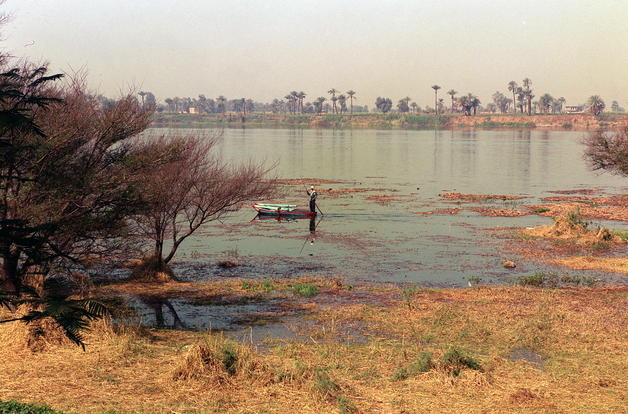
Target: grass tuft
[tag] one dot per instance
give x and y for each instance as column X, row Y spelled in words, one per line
column 622, row 234
column 422, row 363
column 554, row 280
column 305, row 289
column 324, row 385
column 455, row 360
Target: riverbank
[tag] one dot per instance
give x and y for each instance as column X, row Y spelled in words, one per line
column 355, row 348
column 554, row 122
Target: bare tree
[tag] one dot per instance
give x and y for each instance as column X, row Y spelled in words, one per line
column 66, row 191
column 608, row 151
column 190, row 190
column 64, row 188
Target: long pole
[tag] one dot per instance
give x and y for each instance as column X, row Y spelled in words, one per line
column 319, row 209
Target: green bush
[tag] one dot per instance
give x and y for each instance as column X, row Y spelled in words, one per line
column 14, row 407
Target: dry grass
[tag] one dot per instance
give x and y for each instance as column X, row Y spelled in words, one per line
column 389, row 198
column 604, row 263
column 499, row 212
column 438, row 211
column 478, row 197
column 579, row 332
column 572, row 244
column 573, row 230
column 605, row 208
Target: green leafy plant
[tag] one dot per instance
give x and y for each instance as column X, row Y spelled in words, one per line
column 14, row 407
column 72, row 315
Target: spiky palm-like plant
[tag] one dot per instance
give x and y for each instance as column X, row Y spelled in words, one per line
column 53, row 301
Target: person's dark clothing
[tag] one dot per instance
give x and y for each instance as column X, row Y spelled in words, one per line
column 313, row 196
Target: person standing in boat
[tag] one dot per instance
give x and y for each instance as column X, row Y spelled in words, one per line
column 312, row 193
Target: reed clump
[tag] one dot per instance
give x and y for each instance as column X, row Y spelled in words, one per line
column 218, row 360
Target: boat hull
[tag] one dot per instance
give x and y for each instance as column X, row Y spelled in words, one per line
column 281, row 213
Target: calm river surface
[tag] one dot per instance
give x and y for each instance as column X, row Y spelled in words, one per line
column 362, row 238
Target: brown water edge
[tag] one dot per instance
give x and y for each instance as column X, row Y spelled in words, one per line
column 550, row 350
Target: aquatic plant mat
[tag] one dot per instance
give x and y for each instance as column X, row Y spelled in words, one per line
column 483, row 349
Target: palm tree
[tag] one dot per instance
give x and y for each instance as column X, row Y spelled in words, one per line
column 342, row 100
column 545, row 102
column 289, row 98
column 520, row 97
column 407, row 100
column 414, row 107
column 295, row 101
column 301, row 95
column 221, row 103
column 170, row 104
column 333, row 102
column 465, row 104
column 319, row 104
column 512, row 86
column 452, row 93
column 351, row 93
column 528, row 93
column 596, row 104
column 475, row 102
column 332, row 92
column 436, row 88
column 559, row 104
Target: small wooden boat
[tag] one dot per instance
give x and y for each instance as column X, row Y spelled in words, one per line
column 285, row 210
column 283, row 207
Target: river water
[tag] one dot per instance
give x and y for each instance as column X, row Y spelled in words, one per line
column 361, row 237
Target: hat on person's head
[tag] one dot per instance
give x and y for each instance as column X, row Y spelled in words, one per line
column 311, row 187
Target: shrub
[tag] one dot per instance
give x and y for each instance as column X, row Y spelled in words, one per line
column 14, row 407
column 574, row 218
column 455, row 360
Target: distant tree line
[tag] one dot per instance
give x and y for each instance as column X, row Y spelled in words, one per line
column 516, row 99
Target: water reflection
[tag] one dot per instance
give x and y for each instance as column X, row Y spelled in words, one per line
column 157, row 304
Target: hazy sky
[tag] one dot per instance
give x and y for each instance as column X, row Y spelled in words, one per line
column 393, row 48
